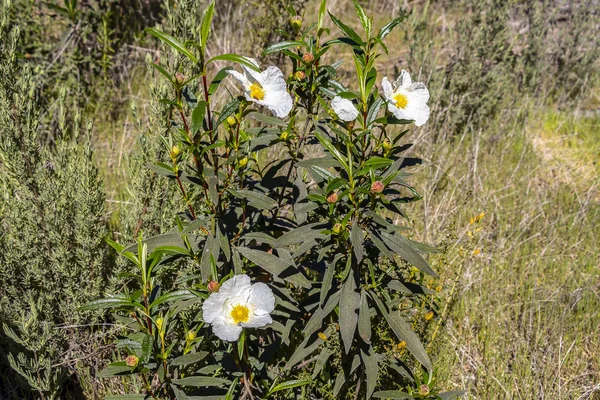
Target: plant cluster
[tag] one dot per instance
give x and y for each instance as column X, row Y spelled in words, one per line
column 299, row 261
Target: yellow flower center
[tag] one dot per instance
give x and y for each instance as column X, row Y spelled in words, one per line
column 240, row 313
column 257, row 92
column 401, row 100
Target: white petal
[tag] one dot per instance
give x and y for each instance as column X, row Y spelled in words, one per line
column 421, row 115
column 272, row 78
column 278, row 101
column 261, row 298
column 240, row 77
column 344, row 109
column 398, row 112
column 387, row 87
column 257, row 321
column 255, row 76
column 226, row 331
column 236, row 290
column 419, row 91
column 404, row 80
column 213, row 307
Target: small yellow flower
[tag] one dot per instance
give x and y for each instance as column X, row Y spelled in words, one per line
column 190, row 335
column 284, row 135
column 322, row 336
column 469, row 234
column 401, row 345
column 387, row 145
column 243, row 162
column 480, row 216
column 472, row 220
column 175, row 151
column 231, row 120
column 337, row 228
column 476, row 252
column 438, row 288
column 429, row 316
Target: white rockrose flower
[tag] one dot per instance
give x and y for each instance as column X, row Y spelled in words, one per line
column 267, row 88
column 407, row 100
column 344, row 109
column 238, row 304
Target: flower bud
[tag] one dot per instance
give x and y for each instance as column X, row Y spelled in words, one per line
column 296, row 22
column 159, row 323
column 308, row 57
column 284, row 135
column 213, row 286
column 337, row 228
column 377, row 187
column 322, row 336
column 132, row 361
column 429, row 316
column 232, row 120
column 332, row 198
column 387, row 146
column 190, row 335
column 424, row 390
column 300, row 75
column 243, row 162
column 401, row 345
column 175, row 151
column 179, row 77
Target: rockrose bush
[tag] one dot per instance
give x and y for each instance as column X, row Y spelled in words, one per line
column 305, row 277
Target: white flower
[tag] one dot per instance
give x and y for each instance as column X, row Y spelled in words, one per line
column 238, row 304
column 267, row 88
column 407, row 100
column 344, row 109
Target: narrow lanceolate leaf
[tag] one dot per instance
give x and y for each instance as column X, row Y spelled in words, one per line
column 303, row 351
column 245, row 61
column 374, row 110
column 274, row 265
column 289, row 385
column 321, row 360
column 163, row 71
column 219, row 77
column 387, row 29
column 201, row 381
column 107, row 303
column 349, row 302
column 455, row 394
column 116, row 369
column 146, row 348
column 282, row 46
column 331, row 149
column 229, row 109
column 301, row 234
column 356, row 238
column 372, row 369
column 206, row 22
column 257, row 200
column 198, row 116
column 172, row 42
column 402, row 246
column 403, row 331
column 349, row 32
column 175, row 295
column 391, row 394
column 340, row 379
column 364, row 20
column 187, row 359
column 364, row 318
column 126, row 397
column 321, row 15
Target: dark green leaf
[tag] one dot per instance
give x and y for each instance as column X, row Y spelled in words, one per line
column 163, row 71
column 402, row 246
column 172, row 42
column 107, row 303
column 274, row 265
column 256, row 199
column 176, row 295
column 301, row 234
column 201, row 381
column 364, row 318
column 190, row 358
column 288, row 385
column 146, row 348
column 282, row 46
column 346, row 29
column 349, row 302
column 321, row 360
column 198, row 116
column 356, row 238
column 392, row 394
column 387, row 29
column 214, row 85
column 206, row 22
column 455, row 394
column 229, row 109
column 245, row 61
column 370, row 362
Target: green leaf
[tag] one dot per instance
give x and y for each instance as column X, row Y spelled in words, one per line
column 201, row 381
column 187, row 359
column 321, row 360
column 146, row 348
column 301, row 234
column 282, row 46
column 219, row 77
column 198, row 116
column 245, row 61
column 349, row 302
column 387, row 29
column 402, row 246
column 321, row 15
column 364, row 20
column 256, row 199
column 373, row 111
column 364, row 318
column 163, row 72
column 118, row 368
column 370, row 362
column 403, row 331
column 163, row 169
column 127, row 397
column 229, row 109
column 267, row 119
column 349, row 32
column 206, row 22
column 176, row 295
column 356, row 238
column 107, row 303
column 332, row 150
column 302, row 351
column 392, row 394
column 172, row 42
column 274, row 265
column 288, row 385
column 323, row 162
column 340, row 379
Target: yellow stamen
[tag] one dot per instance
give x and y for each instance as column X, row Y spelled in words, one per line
column 257, row 92
column 240, row 313
column 401, row 100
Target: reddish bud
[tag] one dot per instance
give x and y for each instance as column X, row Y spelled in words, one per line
column 179, row 77
column 213, row 286
column 308, row 57
column 132, row 361
column 377, row 187
column 300, row 75
column 332, row 198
